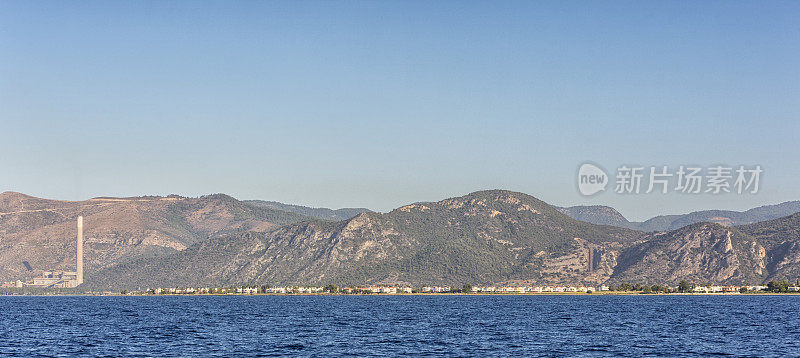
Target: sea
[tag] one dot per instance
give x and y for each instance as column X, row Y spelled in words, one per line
column 412, row 325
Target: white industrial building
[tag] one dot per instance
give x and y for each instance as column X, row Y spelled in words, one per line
column 62, row 279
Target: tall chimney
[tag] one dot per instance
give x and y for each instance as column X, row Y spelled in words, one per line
column 80, row 250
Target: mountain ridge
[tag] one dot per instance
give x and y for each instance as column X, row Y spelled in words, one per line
column 606, row 215
column 319, row 213
column 484, row 237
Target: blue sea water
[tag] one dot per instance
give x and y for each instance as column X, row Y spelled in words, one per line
column 533, row 325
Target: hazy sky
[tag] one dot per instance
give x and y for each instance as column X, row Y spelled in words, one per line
column 380, row 103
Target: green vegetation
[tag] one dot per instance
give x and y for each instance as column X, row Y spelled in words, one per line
column 778, row 286
column 318, row 213
column 684, row 286
column 483, row 238
column 642, row 288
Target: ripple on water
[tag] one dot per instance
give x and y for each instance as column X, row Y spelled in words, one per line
column 395, row 325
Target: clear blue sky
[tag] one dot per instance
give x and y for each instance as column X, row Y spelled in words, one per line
column 378, row 103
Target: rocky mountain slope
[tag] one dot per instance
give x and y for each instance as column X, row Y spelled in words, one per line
column 484, row 237
column 700, row 253
column 319, row 213
column 712, row 253
column 43, row 232
column 489, row 237
column 781, row 240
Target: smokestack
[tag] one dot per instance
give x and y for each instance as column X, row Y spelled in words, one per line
column 80, row 250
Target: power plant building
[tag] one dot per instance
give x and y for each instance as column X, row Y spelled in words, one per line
column 62, row 279
column 55, row 279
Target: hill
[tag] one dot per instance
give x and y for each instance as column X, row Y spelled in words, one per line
column 781, row 240
column 597, row 214
column 700, row 253
column 605, row 215
column 484, row 237
column 735, row 218
column 42, row 232
column 712, row 253
column 319, row 213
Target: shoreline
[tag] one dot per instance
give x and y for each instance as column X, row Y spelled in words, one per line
column 399, row 294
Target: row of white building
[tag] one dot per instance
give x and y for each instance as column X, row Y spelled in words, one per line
column 378, row 289
column 536, row 289
column 373, row 289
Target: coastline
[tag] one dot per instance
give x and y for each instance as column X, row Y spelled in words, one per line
column 400, row 294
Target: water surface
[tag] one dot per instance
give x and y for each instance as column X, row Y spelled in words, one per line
column 533, row 325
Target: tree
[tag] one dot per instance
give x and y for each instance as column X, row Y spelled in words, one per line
column 772, row 286
column 331, row 288
column 467, row 288
column 778, row 287
column 684, row 286
column 743, row 290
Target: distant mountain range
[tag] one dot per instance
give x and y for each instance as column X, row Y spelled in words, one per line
column 486, row 237
column 319, row 213
column 605, row 215
column 483, row 237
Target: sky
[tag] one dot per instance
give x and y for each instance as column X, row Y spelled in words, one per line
column 379, row 104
